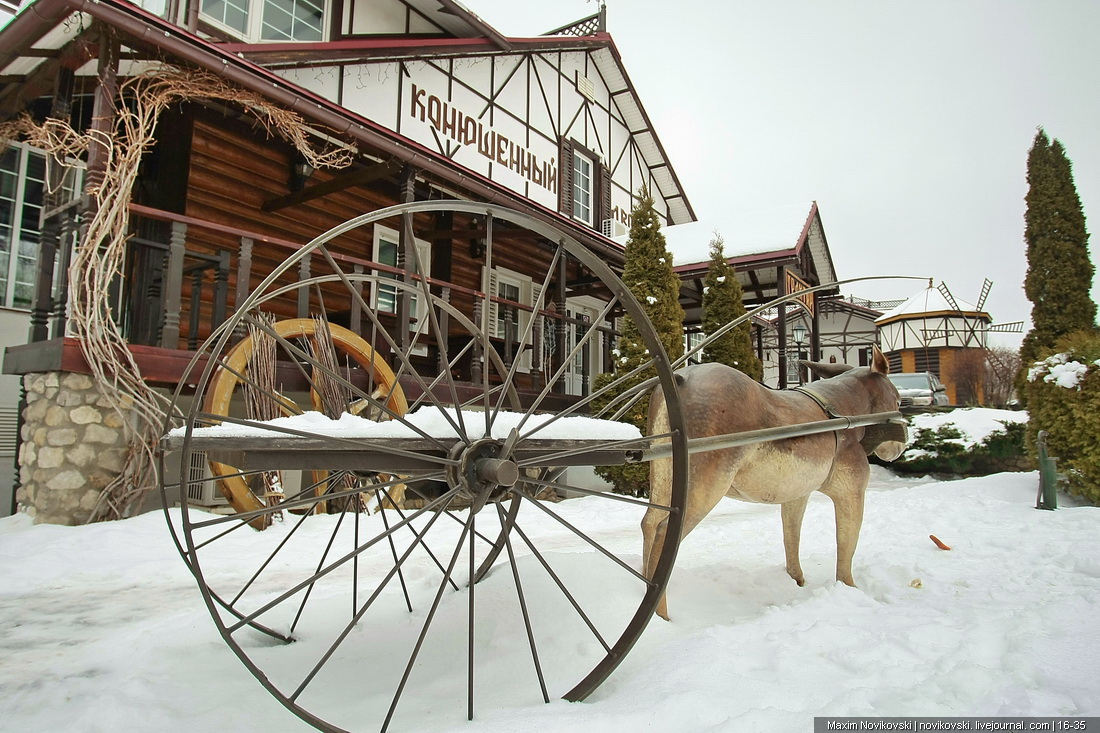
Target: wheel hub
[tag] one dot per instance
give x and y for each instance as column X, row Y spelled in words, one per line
column 482, row 475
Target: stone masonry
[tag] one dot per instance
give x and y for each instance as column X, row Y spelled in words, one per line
column 73, row 444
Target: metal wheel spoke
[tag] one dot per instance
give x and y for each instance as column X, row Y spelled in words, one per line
column 538, row 305
column 358, row 615
column 271, row 509
column 338, row 563
column 263, row 566
column 523, row 608
column 320, row 564
column 450, row 365
column 296, row 503
column 427, row 624
column 419, row 536
column 470, row 627
column 486, row 342
column 561, row 586
column 393, row 551
column 549, row 386
column 603, row 550
column 601, row 494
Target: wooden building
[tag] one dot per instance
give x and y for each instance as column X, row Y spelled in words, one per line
column 784, row 253
column 423, row 99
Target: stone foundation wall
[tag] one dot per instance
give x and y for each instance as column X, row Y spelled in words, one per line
column 73, row 445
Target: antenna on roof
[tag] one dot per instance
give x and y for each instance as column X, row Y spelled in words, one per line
column 986, row 287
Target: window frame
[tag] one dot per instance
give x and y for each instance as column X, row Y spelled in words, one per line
column 72, row 180
column 424, row 249
column 254, row 22
column 582, row 155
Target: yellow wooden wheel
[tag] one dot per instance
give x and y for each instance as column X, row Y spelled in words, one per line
column 223, row 397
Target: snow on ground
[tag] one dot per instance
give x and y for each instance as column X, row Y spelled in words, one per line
column 102, row 628
column 975, row 423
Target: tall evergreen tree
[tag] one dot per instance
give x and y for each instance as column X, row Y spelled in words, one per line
column 1059, row 272
column 723, row 302
column 648, row 273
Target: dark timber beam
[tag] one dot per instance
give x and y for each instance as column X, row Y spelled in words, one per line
column 338, row 183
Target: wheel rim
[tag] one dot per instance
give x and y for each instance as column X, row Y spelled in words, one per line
column 489, row 540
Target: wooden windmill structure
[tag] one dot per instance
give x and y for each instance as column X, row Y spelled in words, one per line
column 933, row 331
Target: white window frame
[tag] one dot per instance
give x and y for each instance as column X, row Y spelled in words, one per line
column 424, row 250
column 588, row 307
column 254, row 23
column 10, row 261
column 528, row 293
column 580, row 157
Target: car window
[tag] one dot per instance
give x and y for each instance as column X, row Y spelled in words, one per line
column 909, row 381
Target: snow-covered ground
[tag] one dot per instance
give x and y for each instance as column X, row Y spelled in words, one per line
column 974, row 423
column 102, row 628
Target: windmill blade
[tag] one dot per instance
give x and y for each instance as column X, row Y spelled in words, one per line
column 986, row 287
column 948, row 296
column 1013, row 327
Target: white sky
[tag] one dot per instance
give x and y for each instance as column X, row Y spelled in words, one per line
column 909, row 123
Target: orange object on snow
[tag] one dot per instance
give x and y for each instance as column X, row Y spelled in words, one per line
column 939, row 542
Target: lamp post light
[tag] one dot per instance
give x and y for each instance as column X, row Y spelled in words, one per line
column 798, row 333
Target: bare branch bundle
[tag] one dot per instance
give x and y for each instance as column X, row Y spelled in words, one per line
column 100, row 256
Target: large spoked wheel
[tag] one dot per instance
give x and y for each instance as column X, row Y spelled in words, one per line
column 489, row 590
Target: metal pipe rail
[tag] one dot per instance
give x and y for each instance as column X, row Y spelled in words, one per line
column 733, row 440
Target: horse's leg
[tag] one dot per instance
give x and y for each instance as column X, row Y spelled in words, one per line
column 708, row 484
column 792, row 529
column 846, row 486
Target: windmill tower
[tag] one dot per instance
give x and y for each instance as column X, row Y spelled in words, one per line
column 933, row 331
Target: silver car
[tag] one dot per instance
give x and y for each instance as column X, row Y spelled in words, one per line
column 920, row 389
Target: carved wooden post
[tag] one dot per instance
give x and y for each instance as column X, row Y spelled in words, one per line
column 196, row 304
column 221, row 289
column 173, row 286
column 536, row 350
column 52, row 229
column 355, row 317
column 561, row 332
column 65, row 256
column 586, row 365
column 444, row 328
column 244, row 283
column 303, row 293
column 475, row 361
column 509, row 339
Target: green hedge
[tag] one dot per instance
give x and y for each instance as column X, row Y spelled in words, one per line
column 1063, row 397
column 938, row 451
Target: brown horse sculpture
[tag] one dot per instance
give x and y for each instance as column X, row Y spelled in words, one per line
column 718, row 400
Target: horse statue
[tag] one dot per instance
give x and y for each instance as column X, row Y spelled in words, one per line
column 719, row 400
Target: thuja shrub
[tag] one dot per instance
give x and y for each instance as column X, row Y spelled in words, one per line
column 1063, row 395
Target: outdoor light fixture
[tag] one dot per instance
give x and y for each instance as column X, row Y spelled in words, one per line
column 300, row 171
column 799, row 334
column 477, row 244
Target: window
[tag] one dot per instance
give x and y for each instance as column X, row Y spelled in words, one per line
column 510, row 321
column 269, row 20
column 22, row 187
column 582, row 188
column 507, row 325
column 384, row 297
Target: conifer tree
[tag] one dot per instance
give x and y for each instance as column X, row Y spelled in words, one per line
column 648, row 273
column 1059, row 272
column 723, row 302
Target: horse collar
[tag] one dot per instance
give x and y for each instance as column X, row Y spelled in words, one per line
column 821, row 401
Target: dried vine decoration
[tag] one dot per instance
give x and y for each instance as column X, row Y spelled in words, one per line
column 99, row 257
column 262, row 400
column 334, row 396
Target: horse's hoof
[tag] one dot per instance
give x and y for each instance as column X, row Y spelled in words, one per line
column 799, row 579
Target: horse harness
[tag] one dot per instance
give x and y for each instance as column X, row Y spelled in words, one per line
column 873, row 435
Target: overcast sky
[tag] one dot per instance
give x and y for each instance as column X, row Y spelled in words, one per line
column 908, row 122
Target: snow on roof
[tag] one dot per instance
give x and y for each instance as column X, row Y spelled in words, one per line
column 768, row 230
column 929, row 300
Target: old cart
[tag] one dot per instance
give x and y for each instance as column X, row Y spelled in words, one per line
column 421, row 571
